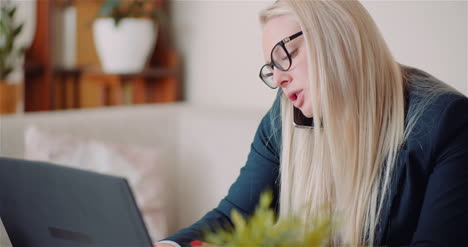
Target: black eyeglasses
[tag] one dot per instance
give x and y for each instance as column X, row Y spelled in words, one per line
column 280, row 58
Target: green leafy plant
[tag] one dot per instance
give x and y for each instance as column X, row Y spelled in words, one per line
column 9, row 53
column 262, row 230
column 120, row 9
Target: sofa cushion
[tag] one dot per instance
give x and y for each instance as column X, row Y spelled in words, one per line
column 143, row 167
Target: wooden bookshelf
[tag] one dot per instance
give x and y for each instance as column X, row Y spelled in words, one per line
column 48, row 87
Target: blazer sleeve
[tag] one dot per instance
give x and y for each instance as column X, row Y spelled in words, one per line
column 259, row 173
column 444, row 215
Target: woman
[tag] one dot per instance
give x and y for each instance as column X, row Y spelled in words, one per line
column 387, row 148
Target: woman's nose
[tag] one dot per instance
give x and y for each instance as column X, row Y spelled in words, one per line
column 281, row 78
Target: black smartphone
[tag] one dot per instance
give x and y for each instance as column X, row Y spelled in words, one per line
column 302, row 121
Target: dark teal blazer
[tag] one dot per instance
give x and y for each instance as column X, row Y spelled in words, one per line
column 428, row 200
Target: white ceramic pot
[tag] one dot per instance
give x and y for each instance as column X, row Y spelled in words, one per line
column 124, row 48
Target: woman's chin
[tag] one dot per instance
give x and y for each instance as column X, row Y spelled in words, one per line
column 307, row 113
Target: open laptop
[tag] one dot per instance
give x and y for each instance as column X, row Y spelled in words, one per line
column 42, row 204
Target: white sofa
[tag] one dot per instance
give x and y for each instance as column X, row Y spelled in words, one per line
column 205, row 147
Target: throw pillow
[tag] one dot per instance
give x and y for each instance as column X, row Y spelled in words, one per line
column 143, row 167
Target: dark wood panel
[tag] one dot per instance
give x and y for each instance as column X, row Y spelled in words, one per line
column 38, row 68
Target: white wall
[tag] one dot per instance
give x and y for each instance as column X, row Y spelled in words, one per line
column 221, row 42
column 431, row 35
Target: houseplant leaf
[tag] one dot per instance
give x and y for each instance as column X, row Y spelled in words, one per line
column 17, row 30
column 9, row 54
column 263, row 230
column 108, row 7
column 11, row 12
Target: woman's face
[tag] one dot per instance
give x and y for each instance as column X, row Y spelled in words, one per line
column 295, row 81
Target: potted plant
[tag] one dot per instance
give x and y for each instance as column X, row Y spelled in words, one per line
column 10, row 56
column 264, row 230
column 125, row 34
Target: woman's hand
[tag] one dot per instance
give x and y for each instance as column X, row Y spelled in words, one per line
column 163, row 245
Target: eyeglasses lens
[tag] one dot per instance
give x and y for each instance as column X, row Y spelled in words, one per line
column 280, row 58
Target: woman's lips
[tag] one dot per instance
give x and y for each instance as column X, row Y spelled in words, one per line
column 297, row 97
column 300, row 100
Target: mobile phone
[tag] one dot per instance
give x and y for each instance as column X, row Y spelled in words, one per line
column 302, row 121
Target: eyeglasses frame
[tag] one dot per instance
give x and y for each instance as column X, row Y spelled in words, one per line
column 272, row 64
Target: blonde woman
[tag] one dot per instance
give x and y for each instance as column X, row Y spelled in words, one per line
column 386, row 145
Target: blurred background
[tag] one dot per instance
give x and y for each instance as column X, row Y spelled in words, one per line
column 201, row 52
column 166, row 92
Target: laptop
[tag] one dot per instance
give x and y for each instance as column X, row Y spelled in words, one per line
column 43, row 204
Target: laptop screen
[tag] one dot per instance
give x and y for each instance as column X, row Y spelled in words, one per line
column 42, row 204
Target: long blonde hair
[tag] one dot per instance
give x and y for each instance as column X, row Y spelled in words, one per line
column 358, row 100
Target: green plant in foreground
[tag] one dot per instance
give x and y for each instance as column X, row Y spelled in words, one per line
column 262, row 230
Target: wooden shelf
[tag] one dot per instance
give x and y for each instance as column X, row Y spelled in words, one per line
column 149, row 73
column 51, row 88
column 152, row 85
